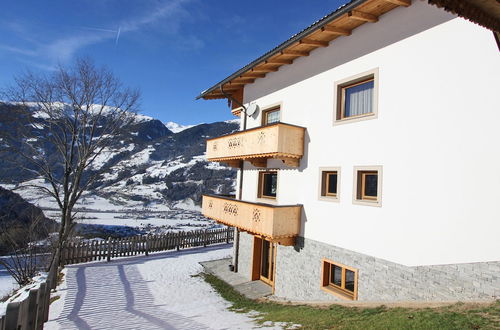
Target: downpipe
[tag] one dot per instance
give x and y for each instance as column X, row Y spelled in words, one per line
column 236, row 243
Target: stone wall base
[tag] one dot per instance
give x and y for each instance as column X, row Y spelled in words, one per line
column 298, row 275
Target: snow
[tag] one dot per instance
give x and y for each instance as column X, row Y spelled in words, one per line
column 155, row 292
column 22, row 293
column 187, row 204
column 7, row 283
column 176, row 128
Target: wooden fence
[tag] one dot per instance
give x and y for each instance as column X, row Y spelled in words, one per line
column 78, row 252
column 33, row 312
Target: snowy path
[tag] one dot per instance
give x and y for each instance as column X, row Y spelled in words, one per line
column 155, row 292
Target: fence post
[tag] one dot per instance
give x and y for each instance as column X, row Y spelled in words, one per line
column 147, row 245
column 29, row 319
column 43, row 305
column 178, row 240
column 11, row 315
column 108, row 257
column 227, row 235
column 205, row 238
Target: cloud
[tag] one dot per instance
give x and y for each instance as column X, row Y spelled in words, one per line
column 171, row 15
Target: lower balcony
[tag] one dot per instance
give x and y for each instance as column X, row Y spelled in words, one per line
column 279, row 224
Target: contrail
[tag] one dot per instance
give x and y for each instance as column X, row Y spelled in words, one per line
column 97, row 29
column 118, row 35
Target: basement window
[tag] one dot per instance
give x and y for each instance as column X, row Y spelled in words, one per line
column 340, row 280
column 268, row 184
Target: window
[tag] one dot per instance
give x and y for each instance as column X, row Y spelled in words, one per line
column 367, row 185
column 356, row 97
column 271, row 116
column 268, row 184
column 329, row 183
column 340, row 280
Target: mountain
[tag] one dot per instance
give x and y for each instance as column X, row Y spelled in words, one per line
column 16, row 216
column 176, row 128
column 145, row 163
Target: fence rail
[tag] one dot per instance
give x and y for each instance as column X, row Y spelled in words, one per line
column 78, row 252
column 33, row 312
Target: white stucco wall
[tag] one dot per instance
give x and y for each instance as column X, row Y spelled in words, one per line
column 437, row 137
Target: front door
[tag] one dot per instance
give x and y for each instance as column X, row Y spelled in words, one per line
column 264, row 260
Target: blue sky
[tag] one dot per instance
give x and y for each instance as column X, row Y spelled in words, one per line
column 169, row 49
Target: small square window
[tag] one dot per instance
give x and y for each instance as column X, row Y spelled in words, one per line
column 268, row 184
column 340, row 280
column 329, row 183
column 271, row 116
column 367, row 185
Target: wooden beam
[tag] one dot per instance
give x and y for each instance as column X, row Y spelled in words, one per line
column 405, row 3
column 246, row 79
column 258, row 162
column 294, row 52
column 361, row 16
column 253, row 74
column 312, row 42
column 279, row 61
column 265, row 70
column 336, row 30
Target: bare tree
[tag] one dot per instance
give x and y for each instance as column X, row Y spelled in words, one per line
column 81, row 107
column 27, row 247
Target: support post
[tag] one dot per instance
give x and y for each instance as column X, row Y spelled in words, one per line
column 108, row 257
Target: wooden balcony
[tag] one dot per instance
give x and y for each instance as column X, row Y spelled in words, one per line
column 279, row 224
column 257, row 145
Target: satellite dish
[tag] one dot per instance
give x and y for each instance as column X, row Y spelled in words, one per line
column 252, row 108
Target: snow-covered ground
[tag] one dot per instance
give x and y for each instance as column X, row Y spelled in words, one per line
column 155, row 292
column 7, row 283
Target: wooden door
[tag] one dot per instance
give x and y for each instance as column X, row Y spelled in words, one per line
column 264, row 260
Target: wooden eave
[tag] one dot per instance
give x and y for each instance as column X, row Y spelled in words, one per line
column 340, row 23
column 483, row 12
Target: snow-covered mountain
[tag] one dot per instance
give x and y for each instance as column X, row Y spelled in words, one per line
column 176, row 128
column 147, row 163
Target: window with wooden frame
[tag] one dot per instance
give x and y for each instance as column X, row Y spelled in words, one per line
column 340, row 280
column 357, row 97
column 268, row 184
column 329, row 183
column 367, row 185
column 271, row 116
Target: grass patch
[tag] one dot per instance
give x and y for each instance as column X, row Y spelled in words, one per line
column 54, row 298
column 458, row 316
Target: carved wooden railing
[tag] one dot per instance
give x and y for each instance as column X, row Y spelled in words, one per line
column 257, row 145
column 279, row 224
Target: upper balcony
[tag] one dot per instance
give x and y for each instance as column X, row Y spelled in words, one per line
column 257, row 145
column 279, row 224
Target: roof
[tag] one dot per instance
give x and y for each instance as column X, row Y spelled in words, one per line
column 319, row 34
column 483, row 12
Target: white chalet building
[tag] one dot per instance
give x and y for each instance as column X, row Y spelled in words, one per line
column 369, row 158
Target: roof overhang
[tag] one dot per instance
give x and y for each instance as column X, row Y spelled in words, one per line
column 337, row 24
column 483, row 12
column 334, row 25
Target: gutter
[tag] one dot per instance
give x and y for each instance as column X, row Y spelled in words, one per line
column 322, row 22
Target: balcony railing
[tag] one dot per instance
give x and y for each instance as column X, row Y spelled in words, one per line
column 279, row 224
column 257, row 145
